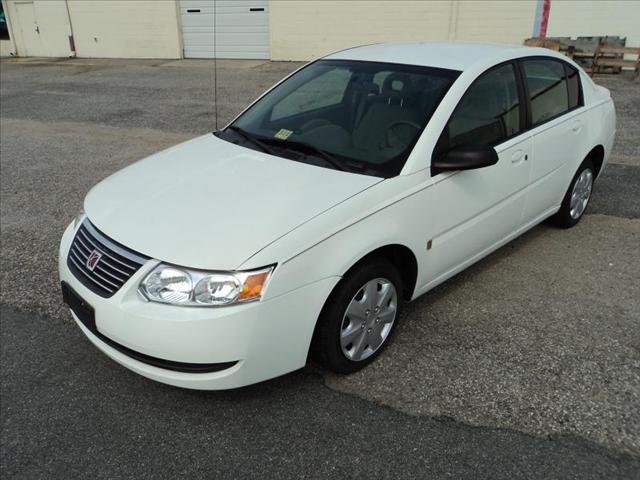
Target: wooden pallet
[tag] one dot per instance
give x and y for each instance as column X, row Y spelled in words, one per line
column 612, row 57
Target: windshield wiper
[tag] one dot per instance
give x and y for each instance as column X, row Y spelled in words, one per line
column 308, row 148
column 291, row 145
column 251, row 139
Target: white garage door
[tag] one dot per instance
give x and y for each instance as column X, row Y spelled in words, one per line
column 242, row 28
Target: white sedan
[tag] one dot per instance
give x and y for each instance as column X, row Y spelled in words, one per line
column 359, row 182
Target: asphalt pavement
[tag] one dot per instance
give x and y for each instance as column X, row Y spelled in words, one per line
column 69, row 412
column 527, row 365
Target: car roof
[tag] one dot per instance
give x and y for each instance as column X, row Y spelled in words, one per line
column 452, row 55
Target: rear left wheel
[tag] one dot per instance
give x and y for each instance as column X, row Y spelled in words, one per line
column 577, row 197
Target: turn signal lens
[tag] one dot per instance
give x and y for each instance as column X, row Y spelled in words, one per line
column 253, row 285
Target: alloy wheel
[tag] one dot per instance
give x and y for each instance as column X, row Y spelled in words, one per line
column 581, row 193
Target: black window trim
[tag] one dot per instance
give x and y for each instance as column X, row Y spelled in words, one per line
column 523, row 99
column 567, row 69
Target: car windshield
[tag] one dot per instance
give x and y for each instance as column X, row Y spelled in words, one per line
column 363, row 117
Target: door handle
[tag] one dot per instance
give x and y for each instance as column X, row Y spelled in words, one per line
column 517, row 156
column 577, row 125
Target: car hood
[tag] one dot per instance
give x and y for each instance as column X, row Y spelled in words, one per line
column 210, row 204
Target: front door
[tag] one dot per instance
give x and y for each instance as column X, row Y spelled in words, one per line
column 480, row 208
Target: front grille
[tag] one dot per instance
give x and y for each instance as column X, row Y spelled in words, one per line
column 114, row 266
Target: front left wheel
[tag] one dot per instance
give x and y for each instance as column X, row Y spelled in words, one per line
column 359, row 317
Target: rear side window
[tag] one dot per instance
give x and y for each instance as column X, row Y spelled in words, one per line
column 488, row 113
column 548, row 89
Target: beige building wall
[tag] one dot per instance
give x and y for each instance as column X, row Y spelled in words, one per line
column 304, row 29
column 586, row 18
column 494, row 21
column 126, row 28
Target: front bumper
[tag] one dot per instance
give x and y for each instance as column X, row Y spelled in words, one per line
column 265, row 339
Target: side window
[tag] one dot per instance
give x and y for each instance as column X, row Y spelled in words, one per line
column 488, row 113
column 573, row 86
column 548, row 90
column 323, row 91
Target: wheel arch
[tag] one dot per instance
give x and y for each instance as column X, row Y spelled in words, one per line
column 402, row 257
column 596, row 155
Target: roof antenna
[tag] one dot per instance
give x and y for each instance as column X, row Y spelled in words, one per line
column 215, row 65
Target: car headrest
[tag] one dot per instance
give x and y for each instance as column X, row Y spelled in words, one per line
column 396, row 85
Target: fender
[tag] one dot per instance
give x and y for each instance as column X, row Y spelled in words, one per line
column 332, row 243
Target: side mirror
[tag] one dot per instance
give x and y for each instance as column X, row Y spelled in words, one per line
column 465, row 158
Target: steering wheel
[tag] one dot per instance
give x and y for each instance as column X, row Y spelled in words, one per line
column 390, row 134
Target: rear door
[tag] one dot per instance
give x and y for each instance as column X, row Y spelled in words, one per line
column 480, row 208
column 558, row 129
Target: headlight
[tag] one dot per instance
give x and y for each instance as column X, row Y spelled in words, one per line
column 168, row 285
column 179, row 286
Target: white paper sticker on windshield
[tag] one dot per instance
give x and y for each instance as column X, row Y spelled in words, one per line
column 283, row 134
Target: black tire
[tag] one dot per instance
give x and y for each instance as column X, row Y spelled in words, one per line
column 325, row 346
column 563, row 217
